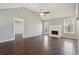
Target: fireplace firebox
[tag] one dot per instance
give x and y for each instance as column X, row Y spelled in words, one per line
column 54, row 32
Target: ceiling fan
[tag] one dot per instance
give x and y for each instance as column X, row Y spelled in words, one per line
column 43, row 13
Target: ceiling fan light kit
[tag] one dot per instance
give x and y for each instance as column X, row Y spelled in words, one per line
column 44, row 13
column 41, row 13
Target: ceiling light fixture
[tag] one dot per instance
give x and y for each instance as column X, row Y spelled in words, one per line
column 42, row 13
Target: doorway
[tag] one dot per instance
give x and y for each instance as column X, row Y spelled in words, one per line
column 18, row 28
column 45, row 27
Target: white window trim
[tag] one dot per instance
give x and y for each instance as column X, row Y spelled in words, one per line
column 73, row 26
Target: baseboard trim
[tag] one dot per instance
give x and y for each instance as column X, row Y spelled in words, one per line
column 6, row 40
column 68, row 37
column 31, row 36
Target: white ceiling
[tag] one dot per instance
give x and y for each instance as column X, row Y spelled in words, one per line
column 57, row 9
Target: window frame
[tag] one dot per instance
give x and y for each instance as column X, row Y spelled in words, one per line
column 72, row 21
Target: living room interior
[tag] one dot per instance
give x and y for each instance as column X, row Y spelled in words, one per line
column 39, row 28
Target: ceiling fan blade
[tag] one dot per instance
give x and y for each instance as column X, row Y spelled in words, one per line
column 46, row 12
column 36, row 12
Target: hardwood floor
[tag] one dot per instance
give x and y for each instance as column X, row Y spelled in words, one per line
column 39, row 45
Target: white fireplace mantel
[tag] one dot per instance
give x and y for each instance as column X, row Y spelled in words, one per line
column 55, row 28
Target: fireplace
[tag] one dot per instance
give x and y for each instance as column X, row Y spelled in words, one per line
column 54, row 32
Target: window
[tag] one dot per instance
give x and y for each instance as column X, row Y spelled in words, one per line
column 69, row 25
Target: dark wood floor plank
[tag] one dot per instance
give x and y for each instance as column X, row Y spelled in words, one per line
column 39, row 45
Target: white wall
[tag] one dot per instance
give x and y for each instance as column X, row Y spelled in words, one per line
column 33, row 30
column 32, row 23
column 6, row 27
column 78, row 37
column 78, row 27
